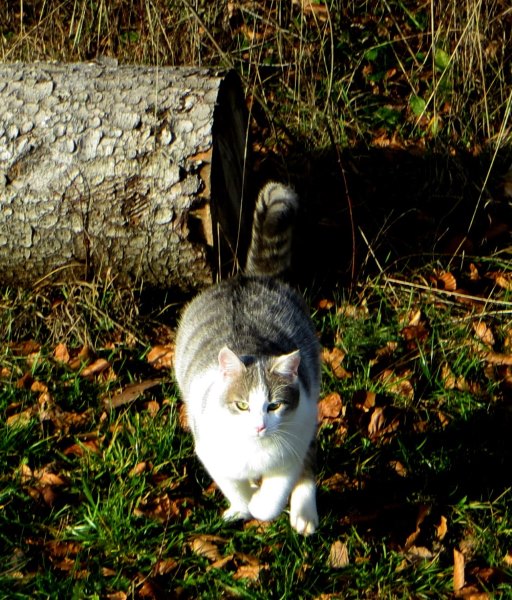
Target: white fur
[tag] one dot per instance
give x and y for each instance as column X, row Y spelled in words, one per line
column 303, row 513
column 251, row 445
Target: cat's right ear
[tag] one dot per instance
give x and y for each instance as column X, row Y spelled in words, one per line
column 229, row 363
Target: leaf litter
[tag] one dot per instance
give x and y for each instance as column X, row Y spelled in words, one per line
column 381, row 413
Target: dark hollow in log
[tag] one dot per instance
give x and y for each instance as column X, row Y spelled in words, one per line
column 133, row 171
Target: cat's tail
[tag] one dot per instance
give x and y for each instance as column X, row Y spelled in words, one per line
column 274, row 217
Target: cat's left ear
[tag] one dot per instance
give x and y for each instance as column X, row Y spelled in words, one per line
column 287, row 365
column 229, row 363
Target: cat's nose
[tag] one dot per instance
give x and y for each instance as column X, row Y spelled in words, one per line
column 260, row 429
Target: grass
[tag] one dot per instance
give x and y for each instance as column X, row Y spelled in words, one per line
column 373, row 99
column 100, row 503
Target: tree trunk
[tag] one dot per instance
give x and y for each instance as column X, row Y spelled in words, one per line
column 132, row 170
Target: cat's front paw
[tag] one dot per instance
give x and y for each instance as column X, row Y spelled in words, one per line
column 234, row 513
column 305, row 524
column 264, row 508
column 303, row 513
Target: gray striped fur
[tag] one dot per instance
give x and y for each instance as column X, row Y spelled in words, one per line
column 270, row 250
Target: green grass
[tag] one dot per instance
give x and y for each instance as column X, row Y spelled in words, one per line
column 131, row 497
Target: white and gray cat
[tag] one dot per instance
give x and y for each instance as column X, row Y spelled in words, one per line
column 247, row 365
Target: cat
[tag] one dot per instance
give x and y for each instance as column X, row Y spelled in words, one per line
column 248, row 369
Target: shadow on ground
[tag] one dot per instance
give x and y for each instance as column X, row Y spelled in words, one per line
column 372, row 209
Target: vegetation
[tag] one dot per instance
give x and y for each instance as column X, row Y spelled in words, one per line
column 392, row 117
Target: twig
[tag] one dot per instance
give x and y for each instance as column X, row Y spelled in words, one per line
column 453, row 294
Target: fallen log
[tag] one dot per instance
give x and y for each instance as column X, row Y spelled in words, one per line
column 132, row 170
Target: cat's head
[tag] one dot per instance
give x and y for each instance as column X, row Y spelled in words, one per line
column 260, row 393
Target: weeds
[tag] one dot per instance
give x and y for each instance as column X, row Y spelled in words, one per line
column 396, row 69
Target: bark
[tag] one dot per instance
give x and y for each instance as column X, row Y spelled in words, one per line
column 136, row 171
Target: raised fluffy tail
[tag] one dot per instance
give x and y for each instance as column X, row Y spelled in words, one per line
column 274, row 217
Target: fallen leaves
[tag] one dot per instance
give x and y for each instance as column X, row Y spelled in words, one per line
column 161, row 356
column 338, row 555
column 162, row 507
column 130, row 393
column 243, row 566
column 41, row 484
column 333, row 359
column 330, row 406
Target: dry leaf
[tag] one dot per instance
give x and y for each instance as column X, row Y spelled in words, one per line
column 116, row 596
column 310, row 7
column 61, row 353
column 399, row 468
column 139, row 469
column 483, row 332
column 162, row 508
column 152, row 407
column 83, row 447
column 58, row 549
column 26, row 348
column 161, row 357
column 448, row 377
column 415, row 334
column 83, row 356
column 25, row 381
column 397, row 384
column 442, row 528
column 21, row 419
column 423, row 511
column 333, row 358
column 419, row 553
column 384, row 352
column 130, row 393
column 365, row 400
column 95, row 368
column 494, row 358
column 453, row 382
column 148, row 589
column 164, row 566
column 502, row 280
column 474, row 275
column 338, row 555
column 338, row 482
column 203, row 545
column 46, row 477
column 325, row 304
column 351, row 311
column 39, row 387
column 251, row 572
column 414, row 318
column 447, row 281
column 458, row 570
column 377, row 421
column 330, row 406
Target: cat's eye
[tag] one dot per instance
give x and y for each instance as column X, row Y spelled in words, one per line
column 242, row 405
column 273, row 406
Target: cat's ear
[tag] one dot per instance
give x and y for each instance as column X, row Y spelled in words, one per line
column 229, row 363
column 287, row 365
